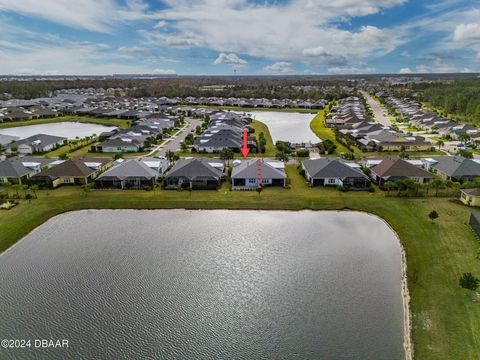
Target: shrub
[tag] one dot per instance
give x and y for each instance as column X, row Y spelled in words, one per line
column 468, row 281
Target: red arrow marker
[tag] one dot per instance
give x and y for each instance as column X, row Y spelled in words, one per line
column 245, row 150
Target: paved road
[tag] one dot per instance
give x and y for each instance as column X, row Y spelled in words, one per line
column 378, row 110
column 177, row 138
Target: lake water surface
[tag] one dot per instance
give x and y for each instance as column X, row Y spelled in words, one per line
column 287, row 126
column 176, row 284
column 69, row 130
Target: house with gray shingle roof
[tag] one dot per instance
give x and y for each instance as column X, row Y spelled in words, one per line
column 17, row 170
column 334, row 172
column 36, row 144
column 456, row 168
column 7, row 139
column 252, row 173
column 195, row 173
column 130, row 174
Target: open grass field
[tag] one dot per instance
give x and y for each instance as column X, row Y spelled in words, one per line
column 318, row 127
column 270, row 149
column 446, row 318
column 85, row 119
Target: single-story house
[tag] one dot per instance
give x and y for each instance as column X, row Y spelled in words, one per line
column 470, row 197
column 455, row 168
column 17, row 170
column 334, row 172
column 36, row 144
column 253, row 173
column 75, row 171
column 117, row 145
column 7, row 139
column 195, row 173
column 393, row 169
column 130, row 174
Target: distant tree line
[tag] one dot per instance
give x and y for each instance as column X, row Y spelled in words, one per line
column 248, row 87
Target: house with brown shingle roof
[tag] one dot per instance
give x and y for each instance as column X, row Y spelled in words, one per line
column 393, row 169
column 75, row 171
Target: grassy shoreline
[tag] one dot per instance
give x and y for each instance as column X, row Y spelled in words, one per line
column 68, row 118
column 445, row 317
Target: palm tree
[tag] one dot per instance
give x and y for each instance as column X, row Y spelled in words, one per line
column 17, row 188
column 34, row 189
column 7, row 185
column 389, row 185
column 436, row 184
column 440, row 143
column 464, row 138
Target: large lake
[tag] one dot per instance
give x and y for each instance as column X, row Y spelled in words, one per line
column 287, row 126
column 69, row 130
column 177, row 284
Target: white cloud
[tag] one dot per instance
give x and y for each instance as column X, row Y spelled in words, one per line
column 406, row 70
column 70, row 59
column 436, row 66
column 160, row 24
column 351, row 70
column 93, row 15
column 230, row 59
column 279, row 68
column 315, row 52
column 130, row 50
column 467, row 33
column 164, row 72
column 283, row 31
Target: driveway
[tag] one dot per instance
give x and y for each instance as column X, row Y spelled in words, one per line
column 378, row 110
column 176, row 138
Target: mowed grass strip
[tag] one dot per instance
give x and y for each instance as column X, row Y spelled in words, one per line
column 69, row 118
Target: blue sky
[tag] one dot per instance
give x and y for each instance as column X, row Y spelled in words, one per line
column 198, row 37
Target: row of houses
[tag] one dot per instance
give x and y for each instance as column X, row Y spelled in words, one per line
column 107, row 104
column 225, row 131
column 350, row 120
column 428, row 120
column 13, row 113
column 134, row 138
column 207, row 173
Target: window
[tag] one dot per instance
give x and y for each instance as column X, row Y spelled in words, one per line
column 66, row 180
column 252, row 181
column 331, row 181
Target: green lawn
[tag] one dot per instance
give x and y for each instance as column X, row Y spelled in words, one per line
column 318, row 127
column 270, row 149
column 446, row 318
column 84, row 119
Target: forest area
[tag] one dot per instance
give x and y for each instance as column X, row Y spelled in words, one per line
column 248, row 87
column 459, row 98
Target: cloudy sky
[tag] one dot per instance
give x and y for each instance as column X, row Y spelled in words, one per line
column 196, row 37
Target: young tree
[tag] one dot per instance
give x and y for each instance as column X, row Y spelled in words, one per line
column 440, row 144
column 34, row 189
column 433, row 215
column 227, row 155
column 468, row 281
column 283, row 156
